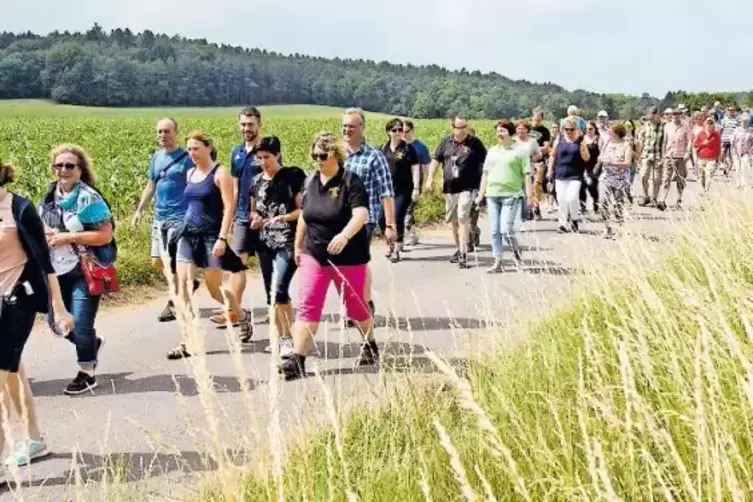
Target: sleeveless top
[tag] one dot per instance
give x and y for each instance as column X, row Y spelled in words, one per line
column 568, row 164
column 204, row 201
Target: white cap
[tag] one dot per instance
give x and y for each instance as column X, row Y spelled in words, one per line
column 602, row 113
column 681, row 107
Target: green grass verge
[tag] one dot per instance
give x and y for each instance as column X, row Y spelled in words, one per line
column 641, row 389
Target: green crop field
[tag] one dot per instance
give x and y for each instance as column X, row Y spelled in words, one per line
column 121, row 140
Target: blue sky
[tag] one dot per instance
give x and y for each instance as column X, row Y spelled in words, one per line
column 628, row 46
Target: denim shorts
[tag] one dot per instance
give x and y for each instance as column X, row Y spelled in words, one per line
column 184, row 253
column 157, row 228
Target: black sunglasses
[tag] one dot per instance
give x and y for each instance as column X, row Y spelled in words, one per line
column 396, row 130
column 319, row 157
column 65, row 165
column 569, row 129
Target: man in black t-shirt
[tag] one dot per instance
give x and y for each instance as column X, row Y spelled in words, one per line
column 543, row 137
column 462, row 158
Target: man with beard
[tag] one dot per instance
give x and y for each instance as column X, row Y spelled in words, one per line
column 244, row 167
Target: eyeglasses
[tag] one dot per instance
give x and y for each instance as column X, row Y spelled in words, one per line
column 319, row 157
column 70, row 166
column 590, row 129
column 396, row 130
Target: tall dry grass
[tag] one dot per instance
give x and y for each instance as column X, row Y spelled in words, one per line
column 640, row 389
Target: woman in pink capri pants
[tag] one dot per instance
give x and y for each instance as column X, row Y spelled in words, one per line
column 331, row 246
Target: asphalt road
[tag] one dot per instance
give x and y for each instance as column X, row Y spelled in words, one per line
column 146, row 428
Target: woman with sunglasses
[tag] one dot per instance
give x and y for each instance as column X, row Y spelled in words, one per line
column 405, row 169
column 567, row 166
column 28, row 286
column 78, row 223
column 275, row 205
column 331, row 246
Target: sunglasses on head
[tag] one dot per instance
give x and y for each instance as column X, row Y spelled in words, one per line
column 319, row 157
column 70, row 166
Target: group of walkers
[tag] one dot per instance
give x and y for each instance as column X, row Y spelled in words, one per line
column 56, row 254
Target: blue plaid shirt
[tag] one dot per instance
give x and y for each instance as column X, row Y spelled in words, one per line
column 371, row 166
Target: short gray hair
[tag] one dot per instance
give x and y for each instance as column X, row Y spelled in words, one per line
column 569, row 121
column 356, row 111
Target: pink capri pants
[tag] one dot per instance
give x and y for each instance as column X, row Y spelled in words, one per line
column 314, row 280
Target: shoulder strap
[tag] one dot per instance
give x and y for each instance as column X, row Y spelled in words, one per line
column 164, row 170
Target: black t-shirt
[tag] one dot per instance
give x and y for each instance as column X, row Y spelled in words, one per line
column 276, row 197
column 400, row 161
column 541, row 134
column 327, row 209
column 468, row 156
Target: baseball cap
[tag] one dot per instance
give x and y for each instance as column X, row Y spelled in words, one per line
column 602, row 113
column 682, row 107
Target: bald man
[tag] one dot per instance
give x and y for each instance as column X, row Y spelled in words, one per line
column 168, row 170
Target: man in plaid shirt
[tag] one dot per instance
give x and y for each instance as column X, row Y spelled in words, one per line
column 651, row 139
column 371, row 166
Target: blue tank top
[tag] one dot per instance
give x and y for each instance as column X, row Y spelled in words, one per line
column 568, row 164
column 204, row 200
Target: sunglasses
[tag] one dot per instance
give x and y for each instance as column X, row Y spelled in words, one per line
column 70, row 166
column 461, row 127
column 569, row 129
column 396, row 130
column 319, row 157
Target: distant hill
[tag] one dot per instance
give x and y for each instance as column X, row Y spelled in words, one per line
column 124, row 69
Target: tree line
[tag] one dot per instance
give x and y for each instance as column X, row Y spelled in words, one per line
column 125, row 69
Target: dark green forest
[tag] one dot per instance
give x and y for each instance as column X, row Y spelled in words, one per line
column 125, row 69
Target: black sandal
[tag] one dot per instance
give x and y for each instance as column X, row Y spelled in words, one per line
column 178, row 352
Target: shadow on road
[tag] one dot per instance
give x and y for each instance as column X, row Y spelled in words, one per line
column 126, row 467
column 119, row 383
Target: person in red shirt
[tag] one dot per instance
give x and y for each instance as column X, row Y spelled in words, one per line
column 708, row 143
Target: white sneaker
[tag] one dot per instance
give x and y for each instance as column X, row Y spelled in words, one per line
column 286, row 347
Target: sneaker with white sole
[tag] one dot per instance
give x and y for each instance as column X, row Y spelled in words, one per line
column 26, row 451
column 286, row 347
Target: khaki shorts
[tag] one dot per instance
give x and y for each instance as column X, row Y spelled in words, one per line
column 458, row 206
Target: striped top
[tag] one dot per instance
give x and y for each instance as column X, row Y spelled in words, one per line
column 728, row 126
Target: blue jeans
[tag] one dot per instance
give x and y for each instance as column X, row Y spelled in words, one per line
column 277, row 269
column 83, row 307
column 502, row 213
column 402, row 202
